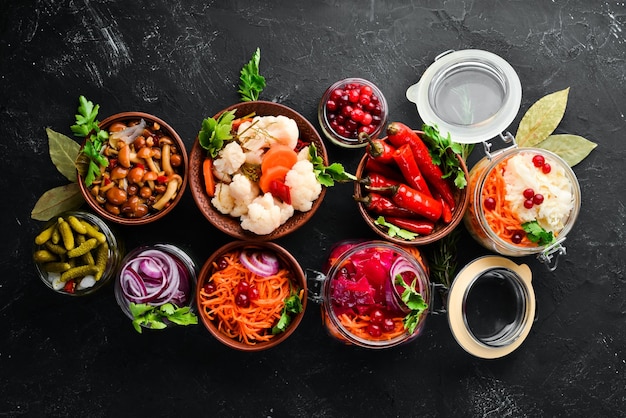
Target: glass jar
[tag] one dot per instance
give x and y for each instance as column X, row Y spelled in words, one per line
column 351, row 106
column 169, row 264
column 65, row 268
column 361, row 301
column 518, row 190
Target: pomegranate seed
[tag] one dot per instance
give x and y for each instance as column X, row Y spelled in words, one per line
column 517, row 237
column 529, row 193
column 528, row 203
column 490, row 203
column 546, row 168
column 538, row 199
column 538, row 160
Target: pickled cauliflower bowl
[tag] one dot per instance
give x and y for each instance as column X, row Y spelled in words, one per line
column 253, row 170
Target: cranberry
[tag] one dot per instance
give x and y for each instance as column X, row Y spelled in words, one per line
column 353, row 108
column 364, row 99
column 357, row 115
column 243, row 287
column 253, row 293
column 336, row 94
column 222, row 263
column 374, row 330
column 546, row 168
column 242, row 300
column 538, row 160
column 346, row 111
column 209, row 288
column 367, row 119
column 366, row 129
column 529, row 193
column 354, row 95
column 528, row 203
column 517, row 237
column 377, row 316
column 490, row 203
column 538, row 199
column 388, row 325
column 331, row 105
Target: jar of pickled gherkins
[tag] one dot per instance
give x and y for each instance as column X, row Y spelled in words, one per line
column 77, row 253
column 523, row 201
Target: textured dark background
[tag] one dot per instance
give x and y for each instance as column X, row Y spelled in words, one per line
column 180, row 60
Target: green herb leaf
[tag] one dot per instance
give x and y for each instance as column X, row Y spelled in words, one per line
column 251, row 82
column 214, row 132
column 445, row 153
column 56, row 201
column 293, row 306
column 541, row 119
column 156, row 317
column 414, row 301
column 328, row 175
column 63, row 153
column 537, row 234
column 572, row 148
column 393, row 230
column 87, row 126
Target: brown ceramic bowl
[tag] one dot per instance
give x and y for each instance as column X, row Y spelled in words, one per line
column 231, row 225
column 441, row 229
column 159, row 129
column 286, row 261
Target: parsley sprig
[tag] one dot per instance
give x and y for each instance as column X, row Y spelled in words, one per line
column 444, row 154
column 251, row 82
column 393, row 230
column 215, row 132
column 87, row 126
column 328, row 175
column 413, row 299
column 155, row 317
column 537, row 234
column 293, row 306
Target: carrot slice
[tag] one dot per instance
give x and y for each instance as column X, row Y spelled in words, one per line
column 209, row 181
column 275, row 173
column 278, row 155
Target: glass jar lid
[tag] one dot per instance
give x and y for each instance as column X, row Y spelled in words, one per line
column 491, row 306
column 471, row 94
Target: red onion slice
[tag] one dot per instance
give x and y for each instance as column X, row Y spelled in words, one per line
column 262, row 263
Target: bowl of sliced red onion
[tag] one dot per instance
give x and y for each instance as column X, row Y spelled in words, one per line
column 155, row 287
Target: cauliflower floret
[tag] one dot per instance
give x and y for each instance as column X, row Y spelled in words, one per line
column 264, row 131
column 303, row 154
column 286, row 210
column 243, row 192
column 303, row 185
column 254, row 157
column 263, row 215
column 222, row 200
column 230, row 159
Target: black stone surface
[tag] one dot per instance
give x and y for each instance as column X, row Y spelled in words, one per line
column 180, row 60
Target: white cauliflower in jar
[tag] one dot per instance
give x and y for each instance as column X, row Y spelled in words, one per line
column 230, row 159
column 264, row 131
column 303, row 185
column 263, row 215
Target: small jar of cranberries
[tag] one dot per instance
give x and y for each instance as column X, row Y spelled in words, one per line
column 349, row 107
column 523, row 201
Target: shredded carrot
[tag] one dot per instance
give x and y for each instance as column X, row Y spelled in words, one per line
column 357, row 326
column 502, row 220
column 249, row 325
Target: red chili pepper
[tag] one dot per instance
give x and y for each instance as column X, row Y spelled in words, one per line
column 281, row 191
column 70, row 286
column 162, row 179
column 446, row 211
column 380, row 205
column 377, row 181
column 380, row 150
column 416, row 201
column 399, row 134
column 387, row 170
column 419, row 226
column 408, row 166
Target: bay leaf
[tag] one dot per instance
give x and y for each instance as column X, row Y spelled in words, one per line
column 572, row 148
column 63, row 153
column 541, row 119
column 56, row 201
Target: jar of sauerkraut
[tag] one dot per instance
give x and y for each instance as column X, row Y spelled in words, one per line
column 523, row 201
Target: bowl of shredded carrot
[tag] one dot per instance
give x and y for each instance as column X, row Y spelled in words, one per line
column 397, row 210
column 251, row 295
column 253, row 170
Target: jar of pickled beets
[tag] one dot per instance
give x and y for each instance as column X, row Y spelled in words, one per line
column 375, row 294
column 349, row 107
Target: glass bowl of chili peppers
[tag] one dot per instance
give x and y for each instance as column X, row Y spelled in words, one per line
column 142, row 171
column 251, row 295
column 403, row 195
